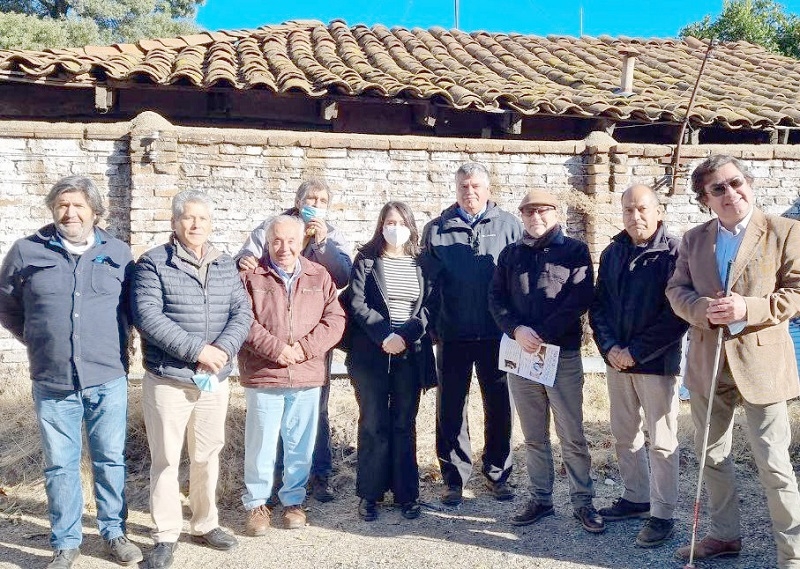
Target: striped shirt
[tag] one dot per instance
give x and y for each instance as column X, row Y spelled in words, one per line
column 402, row 288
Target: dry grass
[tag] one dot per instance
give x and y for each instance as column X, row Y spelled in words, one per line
column 21, row 462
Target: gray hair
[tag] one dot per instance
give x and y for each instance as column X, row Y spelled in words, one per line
column 80, row 184
column 711, row 165
column 283, row 218
column 315, row 185
column 471, row 169
column 190, row 196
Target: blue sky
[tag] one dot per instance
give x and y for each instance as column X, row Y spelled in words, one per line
column 636, row 18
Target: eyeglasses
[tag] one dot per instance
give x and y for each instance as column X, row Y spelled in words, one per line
column 717, row 190
column 528, row 211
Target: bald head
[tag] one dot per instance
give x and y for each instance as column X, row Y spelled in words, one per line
column 641, row 213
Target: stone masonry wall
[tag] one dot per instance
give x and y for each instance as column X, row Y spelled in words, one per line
column 253, row 174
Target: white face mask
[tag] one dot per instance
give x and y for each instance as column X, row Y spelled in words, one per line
column 396, row 235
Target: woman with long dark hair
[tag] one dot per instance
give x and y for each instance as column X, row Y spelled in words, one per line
column 390, row 359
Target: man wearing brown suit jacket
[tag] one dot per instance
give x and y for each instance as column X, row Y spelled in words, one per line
column 757, row 366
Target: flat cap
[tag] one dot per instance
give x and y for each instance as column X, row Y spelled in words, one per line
column 538, row 197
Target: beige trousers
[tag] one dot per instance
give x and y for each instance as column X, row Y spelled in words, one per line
column 657, row 396
column 172, row 411
column 769, row 434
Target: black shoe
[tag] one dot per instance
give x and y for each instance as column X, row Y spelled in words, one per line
column 321, row 489
column 623, row 509
column 216, row 539
column 500, row 490
column 590, row 519
column 161, row 556
column 655, row 532
column 452, row 496
column 64, row 558
column 532, row 513
column 368, row 510
column 410, row 510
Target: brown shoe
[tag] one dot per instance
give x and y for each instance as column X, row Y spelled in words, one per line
column 294, row 517
column 258, row 520
column 709, row 548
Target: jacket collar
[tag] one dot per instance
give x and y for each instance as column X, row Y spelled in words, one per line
column 659, row 241
column 451, row 218
column 49, row 235
column 554, row 237
column 306, row 268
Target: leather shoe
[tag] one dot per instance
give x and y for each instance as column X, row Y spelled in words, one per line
column 590, row 519
column 709, row 548
column 161, row 556
column 368, row 510
column 64, row 558
column 123, row 551
column 410, row 510
column 452, row 496
column 258, row 521
column 500, row 490
column 532, row 513
column 655, row 532
column 623, row 509
column 216, row 539
column 321, row 489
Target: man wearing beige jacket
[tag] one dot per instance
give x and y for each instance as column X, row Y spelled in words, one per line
column 757, row 366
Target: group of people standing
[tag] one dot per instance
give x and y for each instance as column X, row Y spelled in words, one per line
column 417, row 311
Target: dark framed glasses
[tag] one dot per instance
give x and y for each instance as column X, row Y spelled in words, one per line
column 529, row 210
column 717, row 190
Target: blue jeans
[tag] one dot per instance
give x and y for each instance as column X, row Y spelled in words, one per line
column 292, row 413
column 61, row 415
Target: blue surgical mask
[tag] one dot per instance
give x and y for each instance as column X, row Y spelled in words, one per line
column 206, row 381
column 309, row 212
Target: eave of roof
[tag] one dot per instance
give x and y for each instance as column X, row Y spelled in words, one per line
column 744, row 86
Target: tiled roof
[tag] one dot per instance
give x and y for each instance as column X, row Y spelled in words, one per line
column 743, row 85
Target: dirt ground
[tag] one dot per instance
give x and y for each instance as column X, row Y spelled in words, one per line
column 475, row 535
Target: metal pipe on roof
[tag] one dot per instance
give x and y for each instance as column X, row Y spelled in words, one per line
column 677, row 156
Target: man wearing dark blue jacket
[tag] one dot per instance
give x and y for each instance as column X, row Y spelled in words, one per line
column 466, row 239
column 640, row 338
column 542, row 287
column 63, row 294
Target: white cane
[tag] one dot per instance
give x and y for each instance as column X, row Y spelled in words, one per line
column 712, row 392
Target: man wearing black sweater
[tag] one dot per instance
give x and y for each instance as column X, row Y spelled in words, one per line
column 542, row 286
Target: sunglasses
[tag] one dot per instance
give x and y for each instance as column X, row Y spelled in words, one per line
column 717, row 190
column 528, row 211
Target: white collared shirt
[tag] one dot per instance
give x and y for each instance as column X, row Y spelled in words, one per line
column 728, row 243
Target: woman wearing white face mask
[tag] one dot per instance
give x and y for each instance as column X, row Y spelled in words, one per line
column 390, row 359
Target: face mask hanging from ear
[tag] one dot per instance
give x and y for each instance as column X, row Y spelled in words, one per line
column 396, row 235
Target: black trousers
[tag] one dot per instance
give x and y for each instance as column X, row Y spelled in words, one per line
column 387, row 436
column 455, row 361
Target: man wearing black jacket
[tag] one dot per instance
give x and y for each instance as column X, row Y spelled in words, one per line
column 466, row 240
column 640, row 338
column 542, row 286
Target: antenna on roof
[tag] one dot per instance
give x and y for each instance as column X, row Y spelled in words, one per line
column 580, row 20
column 456, row 12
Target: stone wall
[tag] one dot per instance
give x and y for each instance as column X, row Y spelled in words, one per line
column 252, row 174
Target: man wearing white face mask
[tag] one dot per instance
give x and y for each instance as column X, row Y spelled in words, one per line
column 325, row 245
column 390, row 358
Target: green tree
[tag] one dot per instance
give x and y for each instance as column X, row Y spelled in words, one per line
column 762, row 22
column 39, row 24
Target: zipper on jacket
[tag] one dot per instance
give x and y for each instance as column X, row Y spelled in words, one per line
column 291, row 327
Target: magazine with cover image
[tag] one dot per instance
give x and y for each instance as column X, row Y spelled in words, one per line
column 540, row 366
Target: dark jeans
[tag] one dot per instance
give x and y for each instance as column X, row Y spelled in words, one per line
column 387, row 435
column 455, row 361
column 322, row 461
